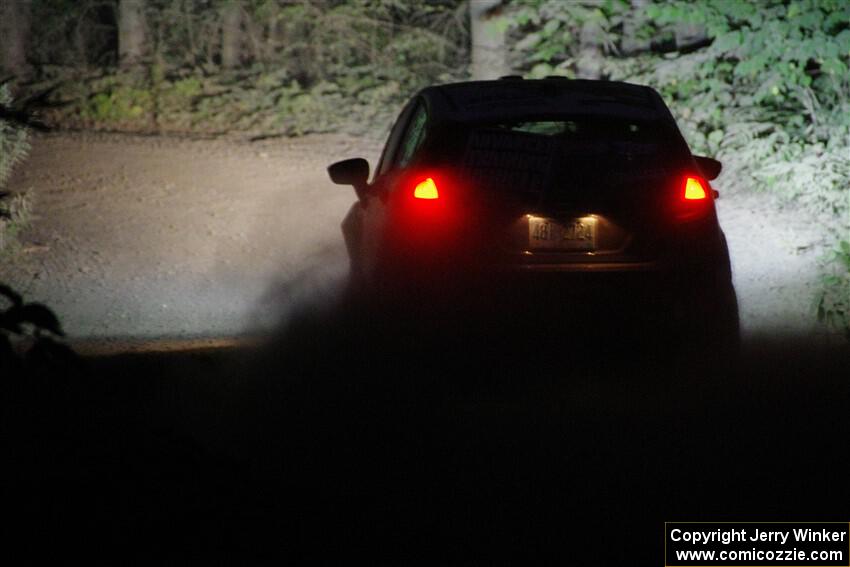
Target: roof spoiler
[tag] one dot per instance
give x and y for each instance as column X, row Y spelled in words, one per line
column 521, row 78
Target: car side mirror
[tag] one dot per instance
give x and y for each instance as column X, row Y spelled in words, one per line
column 354, row 171
column 709, row 167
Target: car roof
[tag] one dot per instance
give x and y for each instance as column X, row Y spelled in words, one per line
column 482, row 101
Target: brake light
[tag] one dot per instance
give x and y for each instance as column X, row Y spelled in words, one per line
column 694, row 189
column 426, row 190
column 694, row 199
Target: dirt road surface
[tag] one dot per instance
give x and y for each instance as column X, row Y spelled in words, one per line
column 140, row 238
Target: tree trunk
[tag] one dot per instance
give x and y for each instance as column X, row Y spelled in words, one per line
column 489, row 50
column 631, row 44
column 231, row 35
column 131, row 32
column 14, row 35
column 590, row 58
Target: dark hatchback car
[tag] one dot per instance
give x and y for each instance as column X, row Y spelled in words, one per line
column 575, row 195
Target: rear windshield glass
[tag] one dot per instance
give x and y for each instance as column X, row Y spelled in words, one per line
column 532, row 152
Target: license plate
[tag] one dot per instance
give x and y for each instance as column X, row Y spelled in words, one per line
column 577, row 234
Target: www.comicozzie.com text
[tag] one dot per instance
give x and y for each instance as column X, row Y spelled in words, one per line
column 758, row 555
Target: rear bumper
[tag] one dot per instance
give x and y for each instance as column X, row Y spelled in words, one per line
column 575, row 267
column 610, row 287
column 676, row 280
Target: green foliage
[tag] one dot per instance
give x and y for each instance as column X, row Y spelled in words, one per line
column 187, row 88
column 118, row 106
column 114, row 102
column 548, row 31
column 784, row 62
column 767, row 92
column 14, row 209
column 833, row 300
column 14, row 143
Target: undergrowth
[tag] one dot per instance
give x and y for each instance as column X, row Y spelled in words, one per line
column 14, row 208
column 14, row 142
column 14, row 218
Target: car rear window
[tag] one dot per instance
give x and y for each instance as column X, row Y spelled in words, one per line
column 530, row 152
column 545, row 94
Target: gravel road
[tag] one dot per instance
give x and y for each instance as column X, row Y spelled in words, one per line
column 136, row 238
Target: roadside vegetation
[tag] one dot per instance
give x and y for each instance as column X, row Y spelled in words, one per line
column 14, row 208
column 764, row 86
column 29, row 332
